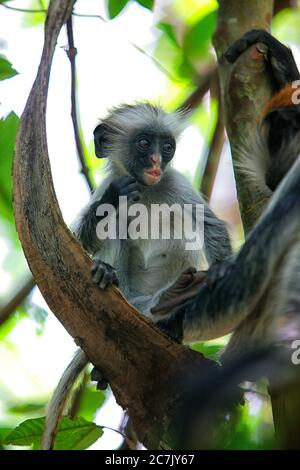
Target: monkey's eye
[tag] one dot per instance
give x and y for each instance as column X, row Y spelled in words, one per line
column 143, row 144
column 168, row 149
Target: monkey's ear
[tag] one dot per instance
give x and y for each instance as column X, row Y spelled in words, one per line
column 100, row 139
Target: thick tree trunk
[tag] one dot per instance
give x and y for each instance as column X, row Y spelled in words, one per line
column 146, row 370
column 245, row 89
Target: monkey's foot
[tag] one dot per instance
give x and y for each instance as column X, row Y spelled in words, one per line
column 97, row 376
column 184, row 289
column 103, row 274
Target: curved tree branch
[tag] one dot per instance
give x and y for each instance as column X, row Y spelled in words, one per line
column 146, row 370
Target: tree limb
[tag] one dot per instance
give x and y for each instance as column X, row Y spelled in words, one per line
column 146, row 370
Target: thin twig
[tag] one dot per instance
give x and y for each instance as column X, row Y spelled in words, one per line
column 197, row 95
column 22, row 10
column 71, row 53
column 217, row 143
column 17, row 300
column 130, row 443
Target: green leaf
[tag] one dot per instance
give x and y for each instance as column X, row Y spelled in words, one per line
column 8, row 132
column 24, row 408
column 211, row 351
column 34, row 19
column 115, row 7
column 77, row 434
column 4, row 431
column 90, row 402
column 6, row 70
column 146, row 3
column 168, row 29
column 196, row 40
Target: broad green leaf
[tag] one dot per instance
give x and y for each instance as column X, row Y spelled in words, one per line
column 6, row 69
column 24, row 408
column 168, row 29
column 190, row 11
column 91, row 401
column 8, row 132
column 77, row 434
column 211, row 351
column 34, row 19
column 196, row 40
column 146, row 3
column 4, row 431
column 114, row 7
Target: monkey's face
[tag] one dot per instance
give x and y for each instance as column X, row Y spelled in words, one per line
column 148, row 155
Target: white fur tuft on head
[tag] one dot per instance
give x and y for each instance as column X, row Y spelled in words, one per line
column 127, row 118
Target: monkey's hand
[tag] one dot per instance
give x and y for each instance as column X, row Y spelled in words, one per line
column 178, row 300
column 103, row 274
column 184, row 289
column 187, row 286
column 97, row 376
column 123, row 186
column 278, row 56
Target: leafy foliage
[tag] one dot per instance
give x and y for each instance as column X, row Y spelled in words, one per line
column 8, row 132
column 114, row 7
column 146, row 3
column 34, row 19
column 6, row 69
column 91, row 401
column 77, row 434
column 196, row 40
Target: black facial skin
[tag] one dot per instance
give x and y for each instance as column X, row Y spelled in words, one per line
column 142, row 147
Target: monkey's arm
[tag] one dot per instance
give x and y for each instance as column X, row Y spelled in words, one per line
column 104, row 251
column 214, row 313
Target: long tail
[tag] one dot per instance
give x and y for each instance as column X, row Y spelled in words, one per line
column 60, row 397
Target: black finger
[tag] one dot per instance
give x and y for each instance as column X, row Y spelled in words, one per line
column 132, row 187
column 123, row 180
column 96, row 278
column 102, row 384
column 106, row 280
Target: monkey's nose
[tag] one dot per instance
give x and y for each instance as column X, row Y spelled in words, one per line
column 156, row 159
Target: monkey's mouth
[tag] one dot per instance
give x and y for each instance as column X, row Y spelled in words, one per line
column 152, row 176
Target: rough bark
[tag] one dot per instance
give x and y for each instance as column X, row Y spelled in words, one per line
column 145, row 369
column 245, row 89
